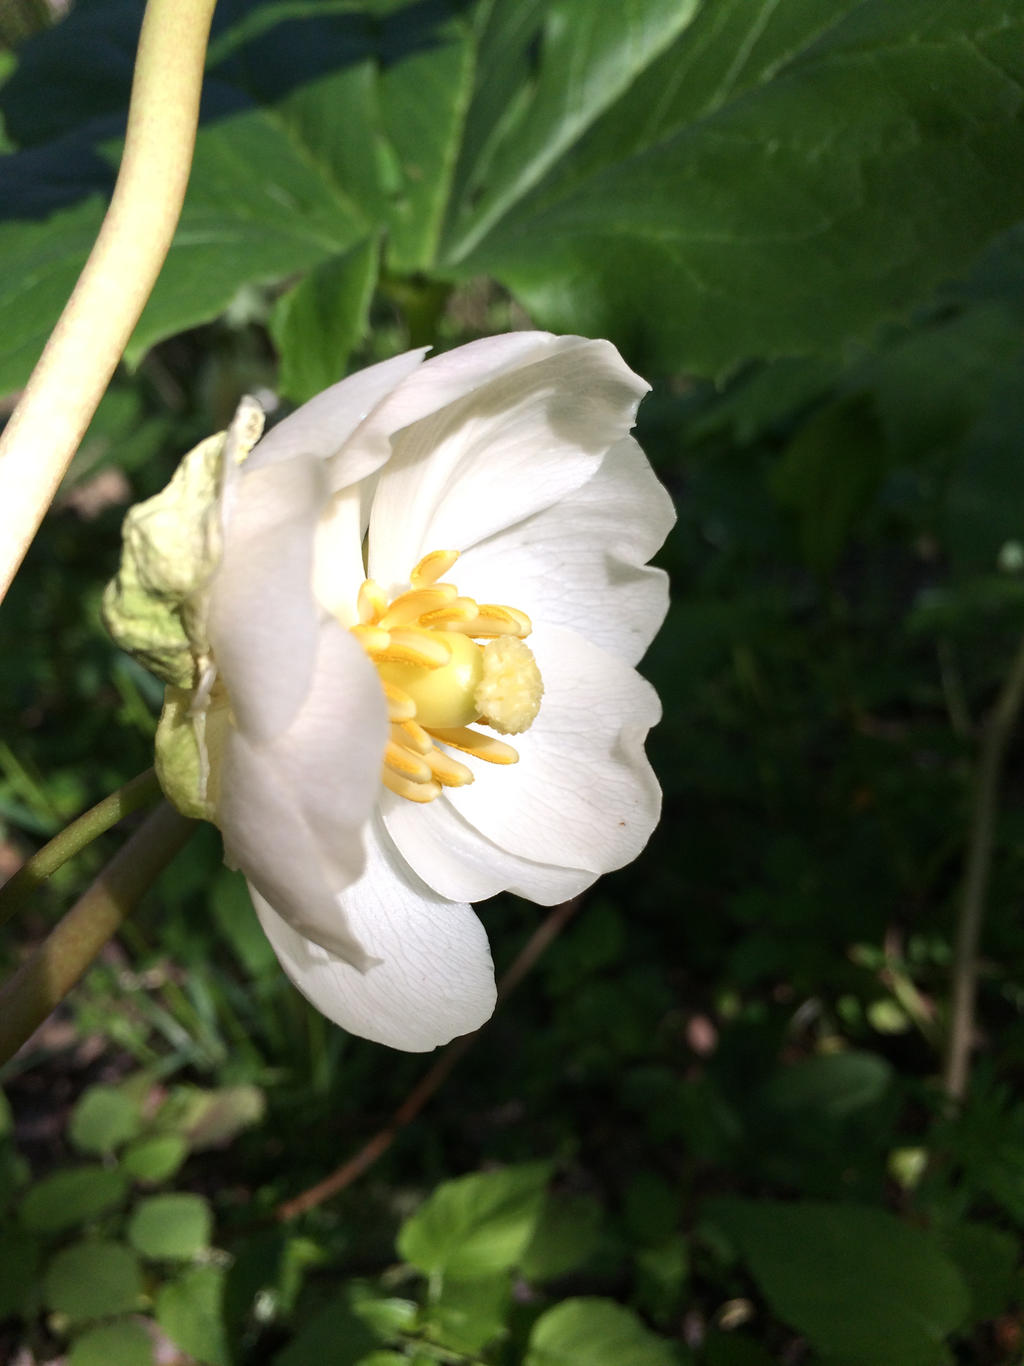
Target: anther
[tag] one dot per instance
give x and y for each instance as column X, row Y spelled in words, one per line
column 401, row 707
column 413, row 792
column 371, row 638
column 413, row 736
column 494, row 620
column 405, row 763
column 410, row 646
column 410, row 607
column 432, row 566
column 448, row 770
column 451, row 615
column 371, row 602
column 474, row 742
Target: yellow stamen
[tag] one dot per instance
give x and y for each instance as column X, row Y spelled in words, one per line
column 412, row 606
column 371, row 638
column 424, row 649
column 432, row 566
column 494, row 620
column 413, row 792
column 405, row 763
column 401, row 707
column 476, row 743
column 459, row 610
column 413, row 736
column 448, row 770
column 371, row 603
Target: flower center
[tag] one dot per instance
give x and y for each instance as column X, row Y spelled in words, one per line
column 446, row 662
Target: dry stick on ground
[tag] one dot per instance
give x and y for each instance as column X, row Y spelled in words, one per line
column 998, row 730
column 414, row 1102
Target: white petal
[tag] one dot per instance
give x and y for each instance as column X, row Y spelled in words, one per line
column 322, row 426
column 433, row 979
column 516, row 444
column 262, row 614
column 459, row 862
column 293, row 810
column 338, row 558
column 445, row 379
column 581, row 563
column 583, row 794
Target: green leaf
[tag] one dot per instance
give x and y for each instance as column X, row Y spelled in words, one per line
column 172, row 1227
column 232, row 909
column 334, row 1334
column 92, row 1280
column 478, row 1224
column 567, row 1234
column 835, row 1084
column 103, row 1120
column 71, row 1198
column 859, row 1284
column 113, row 1344
column 469, row 1314
column 785, row 176
column 593, row 1332
column 706, row 183
column 988, row 1260
column 828, row 476
column 190, row 1312
column 19, row 1273
column 154, row 1158
column 731, row 1349
column 319, row 322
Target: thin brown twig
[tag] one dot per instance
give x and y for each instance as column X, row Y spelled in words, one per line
column 350, row 1171
column 995, row 739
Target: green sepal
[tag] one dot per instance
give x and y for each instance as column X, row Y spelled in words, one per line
column 182, row 767
column 155, row 607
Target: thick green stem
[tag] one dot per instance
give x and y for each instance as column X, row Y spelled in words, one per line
column 998, row 730
column 44, row 979
column 88, row 341
column 141, row 791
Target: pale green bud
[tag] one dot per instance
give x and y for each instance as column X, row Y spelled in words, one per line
column 155, row 608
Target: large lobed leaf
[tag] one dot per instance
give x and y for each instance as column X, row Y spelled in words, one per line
column 706, row 181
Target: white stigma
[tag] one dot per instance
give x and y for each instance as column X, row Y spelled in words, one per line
column 509, row 693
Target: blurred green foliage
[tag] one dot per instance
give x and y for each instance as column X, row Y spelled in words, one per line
column 709, row 1128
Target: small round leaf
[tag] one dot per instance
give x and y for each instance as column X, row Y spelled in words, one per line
column 71, row 1198
column 154, row 1158
column 113, row 1344
column 93, row 1279
column 171, row 1227
column 104, row 1119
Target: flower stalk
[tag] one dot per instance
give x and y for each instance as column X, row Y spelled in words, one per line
column 984, row 813
column 44, row 979
column 139, row 792
column 75, row 368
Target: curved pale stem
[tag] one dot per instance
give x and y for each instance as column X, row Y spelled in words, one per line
column 141, row 791
column 44, row 979
column 88, row 341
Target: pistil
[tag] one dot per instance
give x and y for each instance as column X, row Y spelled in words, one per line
column 446, row 663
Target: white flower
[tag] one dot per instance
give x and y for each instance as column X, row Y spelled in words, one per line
column 512, row 456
